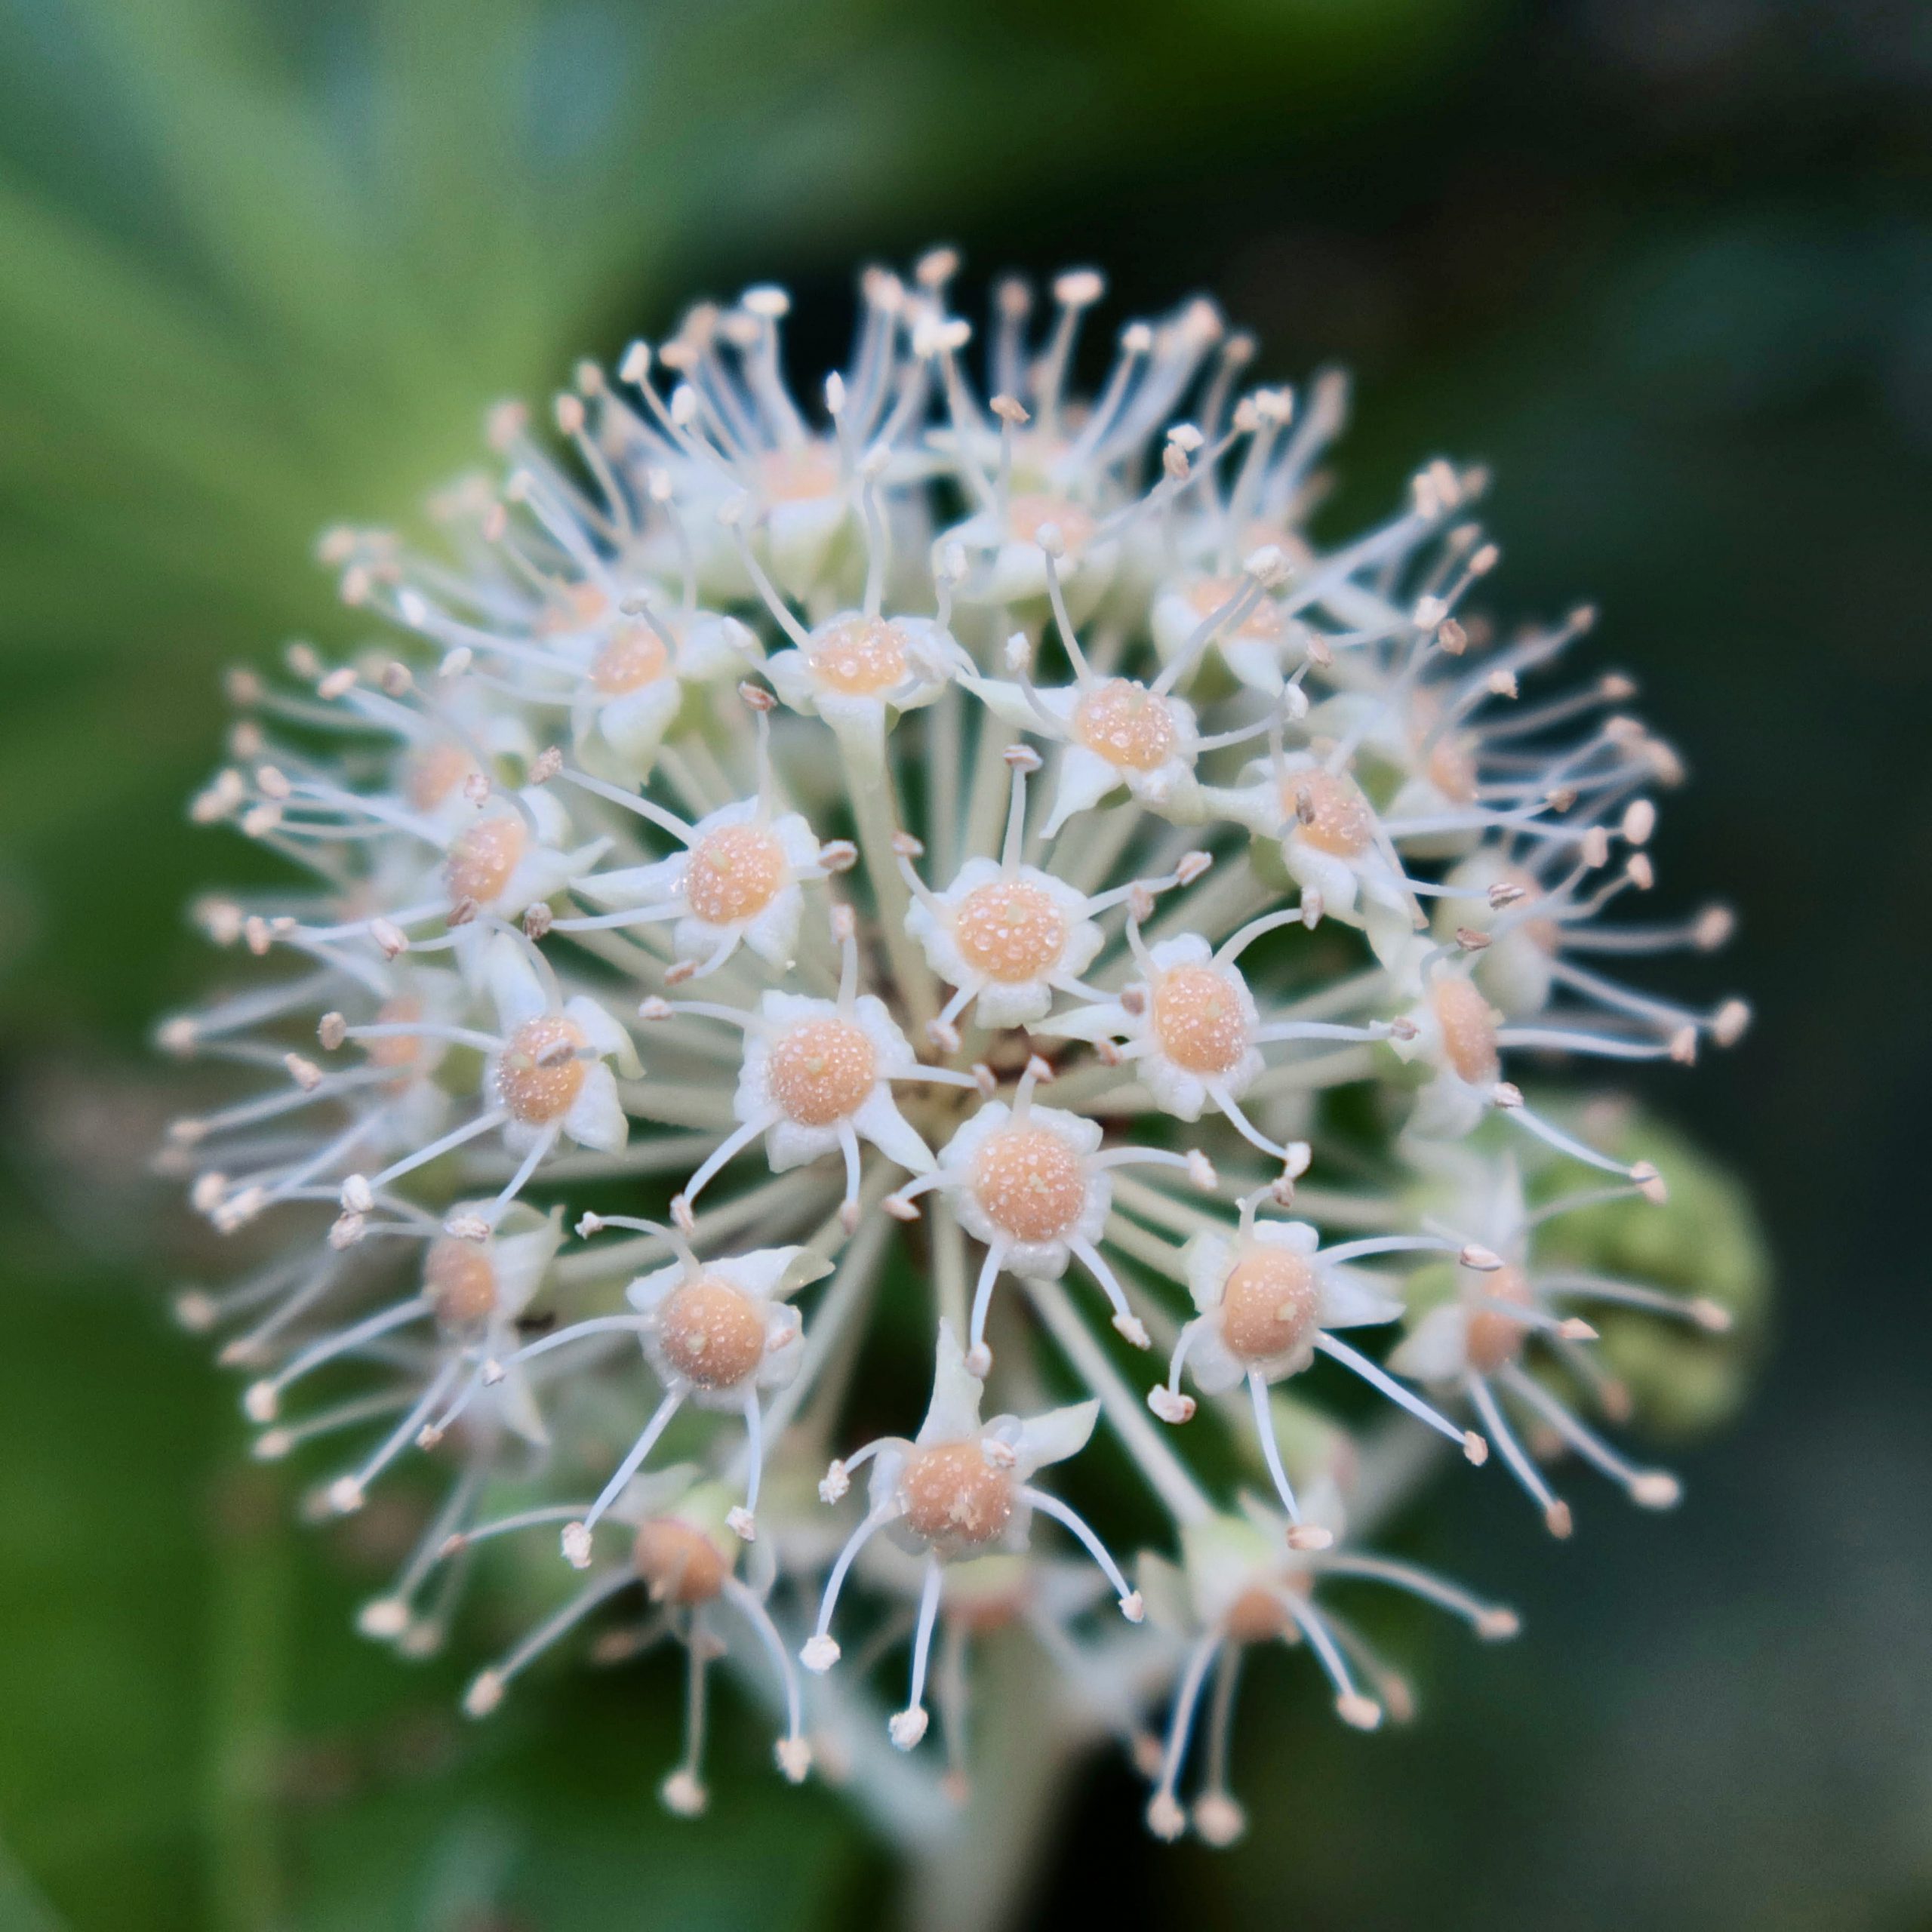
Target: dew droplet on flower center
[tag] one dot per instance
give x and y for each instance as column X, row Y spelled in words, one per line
column 1494, row 1339
column 1029, row 514
column 636, row 656
column 733, row 873
column 861, row 657
column 482, row 859
column 679, row 1563
column 1336, row 819
column 1198, row 1020
column 822, row 1071
column 1468, row 1024
column 434, row 772
column 712, row 1333
column 460, row 1282
column 1010, row 930
column 540, row 1076
column 1127, row 724
column 1030, row 1183
column 1267, row 1305
column 951, row 1496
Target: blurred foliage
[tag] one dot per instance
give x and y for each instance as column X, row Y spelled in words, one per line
column 1667, row 263
column 1704, row 1239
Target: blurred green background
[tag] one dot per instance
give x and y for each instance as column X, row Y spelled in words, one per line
column 1667, row 264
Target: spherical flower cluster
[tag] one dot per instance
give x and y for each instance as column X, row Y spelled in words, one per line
column 780, row 877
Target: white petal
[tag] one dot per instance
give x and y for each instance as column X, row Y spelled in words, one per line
column 647, row 1290
column 1054, row 1436
column 1085, row 779
column 515, row 991
column 606, row 1036
column 596, row 1120
column 521, row 1260
column 1175, row 1090
column 1437, row 1348
column 634, row 724
column 1208, row 1260
column 1214, row 1368
column 1348, row 1300
column 773, row 934
column 1163, row 1587
column 516, row 1405
column 1295, row 1237
column 879, row 1121
column 954, row 1413
column 789, row 1143
column 1011, row 1003
column 635, row 885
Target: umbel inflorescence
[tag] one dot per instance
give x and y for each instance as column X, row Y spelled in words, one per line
column 947, row 856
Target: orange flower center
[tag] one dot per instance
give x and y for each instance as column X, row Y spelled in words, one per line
column 1030, row 1183
column 636, row 656
column 822, row 1071
column 1267, row 1305
column 539, row 1075
column 1126, row 723
column 1207, row 595
column 1010, row 930
column 860, row 657
column 1258, row 1615
column 482, row 860
column 799, row 475
column 398, row 1051
column 712, row 1333
column 1198, row 1020
column 734, row 874
column 1330, row 813
column 434, row 772
column 460, row 1282
column 679, row 1563
column 1028, row 514
column 1495, row 1339
column 951, row 1497
column 1468, row 1030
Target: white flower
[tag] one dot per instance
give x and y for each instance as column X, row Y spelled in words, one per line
column 859, row 671
column 1332, row 843
column 1476, row 1342
column 1032, row 1183
column 1116, row 733
column 1244, row 1581
column 1267, row 1300
column 1007, row 936
column 816, row 1079
column 1005, row 940
column 959, row 1489
column 551, row 1075
column 634, row 679
column 739, row 881
column 1258, row 648
column 727, row 1326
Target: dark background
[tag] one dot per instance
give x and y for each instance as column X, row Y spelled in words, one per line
column 1666, row 264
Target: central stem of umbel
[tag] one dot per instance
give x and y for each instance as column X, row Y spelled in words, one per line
column 775, row 881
